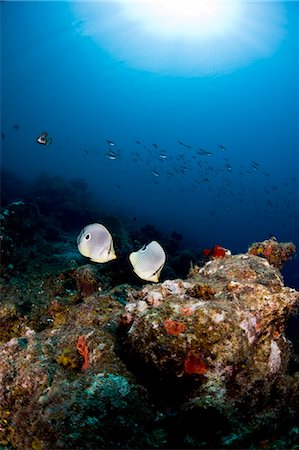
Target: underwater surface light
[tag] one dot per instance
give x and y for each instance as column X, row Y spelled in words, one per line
column 188, row 19
column 184, row 37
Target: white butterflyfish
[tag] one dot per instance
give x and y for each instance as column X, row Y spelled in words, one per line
column 148, row 261
column 95, row 242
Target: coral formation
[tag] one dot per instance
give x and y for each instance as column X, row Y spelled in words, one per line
column 82, row 348
column 226, row 321
column 277, row 253
column 18, row 232
column 227, row 326
column 50, row 400
column 87, row 363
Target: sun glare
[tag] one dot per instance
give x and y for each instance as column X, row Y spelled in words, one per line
column 189, row 20
column 184, row 37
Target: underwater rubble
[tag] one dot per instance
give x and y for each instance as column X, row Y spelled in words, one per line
column 200, row 362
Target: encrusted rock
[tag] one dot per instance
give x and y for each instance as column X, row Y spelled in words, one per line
column 277, row 253
column 224, row 326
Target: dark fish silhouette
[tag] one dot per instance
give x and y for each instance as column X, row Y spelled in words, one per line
column 184, row 145
column 202, row 151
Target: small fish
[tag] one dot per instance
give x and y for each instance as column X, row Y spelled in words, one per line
column 3, row 136
column 43, row 139
column 95, row 242
column 155, row 145
column 201, row 151
column 111, row 154
column 111, row 143
column 221, row 146
column 149, row 261
column 163, row 155
column 16, row 126
column 184, row 169
column 154, row 172
column 184, row 145
column 137, row 142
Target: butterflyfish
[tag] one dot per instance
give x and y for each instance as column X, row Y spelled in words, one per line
column 95, row 242
column 149, row 261
column 43, row 139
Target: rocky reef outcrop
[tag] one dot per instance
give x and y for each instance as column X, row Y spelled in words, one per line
column 203, row 362
column 221, row 332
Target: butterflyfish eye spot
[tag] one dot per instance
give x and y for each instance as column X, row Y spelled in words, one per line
column 87, row 237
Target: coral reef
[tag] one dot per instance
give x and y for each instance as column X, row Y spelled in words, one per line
column 89, row 361
column 66, row 202
column 224, row 328
column 277, row 253
column 18, row 232
column 220, row 316
column 63, row 204
column 58, row 401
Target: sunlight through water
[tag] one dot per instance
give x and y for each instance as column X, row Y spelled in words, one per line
column 190, row 37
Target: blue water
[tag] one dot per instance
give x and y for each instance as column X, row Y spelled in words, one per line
column 57, row 78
